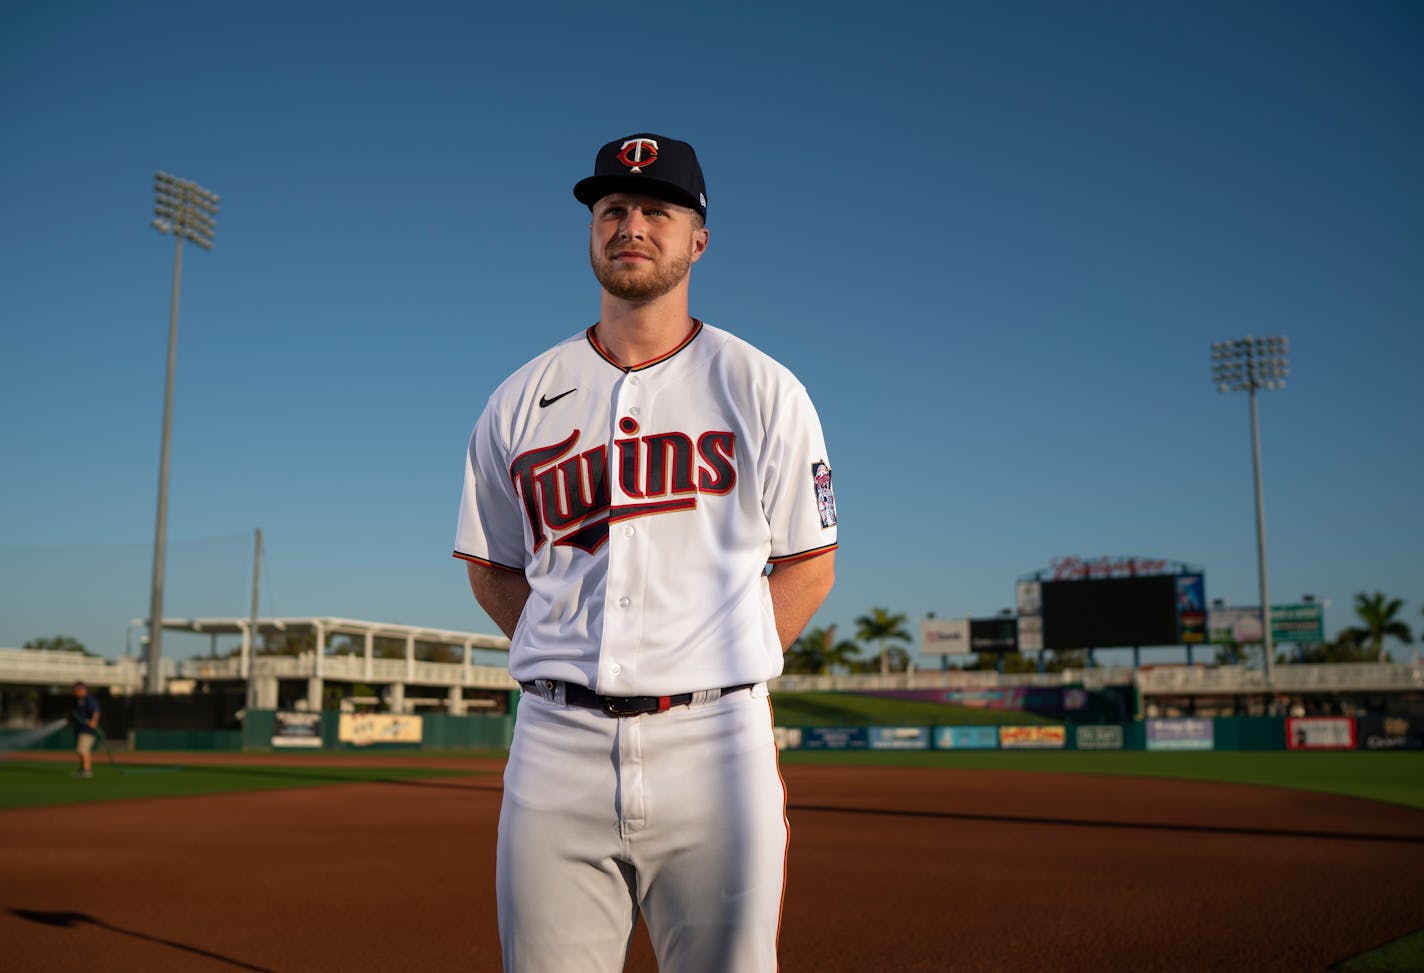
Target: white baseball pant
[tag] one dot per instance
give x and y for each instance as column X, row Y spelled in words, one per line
column 679, row 816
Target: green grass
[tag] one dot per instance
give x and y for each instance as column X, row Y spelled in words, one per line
column 1395, row 778
column 1404, row 955
column 34, row 784
column 849, row 709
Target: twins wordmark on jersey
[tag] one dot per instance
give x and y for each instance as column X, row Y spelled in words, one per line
column 565, row 493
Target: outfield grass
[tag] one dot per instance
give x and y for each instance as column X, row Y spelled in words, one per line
column 1395, row 778
column 36, row 783
column 849, row 709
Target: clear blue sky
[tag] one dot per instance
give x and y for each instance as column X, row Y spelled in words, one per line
column 996, row 242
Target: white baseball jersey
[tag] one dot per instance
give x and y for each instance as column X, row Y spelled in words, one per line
column 643, row 505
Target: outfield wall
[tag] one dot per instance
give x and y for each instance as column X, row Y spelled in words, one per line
column 274, row 730
column 1178, row 733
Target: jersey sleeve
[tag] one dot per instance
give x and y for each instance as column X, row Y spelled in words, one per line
column 797, row 497
column 489, row 529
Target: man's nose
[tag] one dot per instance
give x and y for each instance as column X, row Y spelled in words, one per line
column 633, row 224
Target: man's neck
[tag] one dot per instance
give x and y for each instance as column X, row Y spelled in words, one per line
column 637, row 333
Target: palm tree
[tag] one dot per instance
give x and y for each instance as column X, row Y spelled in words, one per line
column 878, row 626
column 818, row 651
column 1378, row 613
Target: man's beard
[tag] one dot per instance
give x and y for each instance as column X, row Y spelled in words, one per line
column 642, row 288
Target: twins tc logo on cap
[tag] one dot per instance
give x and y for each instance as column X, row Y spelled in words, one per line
column 626, row 165
column 638, row 152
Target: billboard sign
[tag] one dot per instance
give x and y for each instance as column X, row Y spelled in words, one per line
column 1320, row 733
column 1098, row 737
column 1390, row 732
column 944, row 636
column 834, row 738
column 1303, row 622
column 966, row 738
column 1193, row 733
column 1033, row 737
column 293, row 729
column 366, row 729
column 899, row 738
column 1030, row 633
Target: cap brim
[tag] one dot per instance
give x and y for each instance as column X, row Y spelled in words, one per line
column 591, row 190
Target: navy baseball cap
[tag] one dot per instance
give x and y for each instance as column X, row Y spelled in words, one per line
column 650, row 164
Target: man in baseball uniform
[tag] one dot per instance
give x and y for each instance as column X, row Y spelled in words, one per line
column 625, row 494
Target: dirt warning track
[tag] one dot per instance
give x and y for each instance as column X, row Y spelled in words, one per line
column 890, row 870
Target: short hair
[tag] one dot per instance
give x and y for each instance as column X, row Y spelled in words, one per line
column 79, row 684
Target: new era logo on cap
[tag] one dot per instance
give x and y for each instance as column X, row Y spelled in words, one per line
column 646, row 163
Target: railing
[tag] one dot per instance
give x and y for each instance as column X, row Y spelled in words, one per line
column 1366, row 677
column 24, row 666
column 41, row 668
column 352, row 668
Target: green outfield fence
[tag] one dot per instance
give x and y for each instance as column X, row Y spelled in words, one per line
column 267, row 730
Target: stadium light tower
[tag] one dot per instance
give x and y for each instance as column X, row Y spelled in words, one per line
column 1252, row 363
column 189, row 212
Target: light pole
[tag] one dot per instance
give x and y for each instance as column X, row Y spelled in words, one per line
column 189, row 212
column 1252, row 363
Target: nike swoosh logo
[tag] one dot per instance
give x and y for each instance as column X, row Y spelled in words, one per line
column 545, row 401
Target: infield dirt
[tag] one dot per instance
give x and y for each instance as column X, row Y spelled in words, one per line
column 891, row 869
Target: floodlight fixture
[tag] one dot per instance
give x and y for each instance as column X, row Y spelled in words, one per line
column 189, row 212
column 1245, row 365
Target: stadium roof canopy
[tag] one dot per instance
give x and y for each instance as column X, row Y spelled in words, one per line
column 326, row 627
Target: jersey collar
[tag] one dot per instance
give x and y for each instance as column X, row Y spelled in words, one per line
column 593, row 341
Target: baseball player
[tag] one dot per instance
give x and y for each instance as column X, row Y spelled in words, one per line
column 625, row 493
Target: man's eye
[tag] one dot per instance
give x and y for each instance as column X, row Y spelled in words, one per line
column 656, row 212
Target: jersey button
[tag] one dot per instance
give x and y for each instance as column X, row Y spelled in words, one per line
column 615, row 669
column 634, row 411
column 635, row 381
column 628, row 531
column 624, row 602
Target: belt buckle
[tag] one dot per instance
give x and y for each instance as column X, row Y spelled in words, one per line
column 629, row 705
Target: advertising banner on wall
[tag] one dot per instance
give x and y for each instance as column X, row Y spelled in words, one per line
column 966, row 738
column 1191, row 609
column 1389, row 733
column 1320, row 733
column 1098, row 737
column 292, row 729
column 1033, row 737
column 834, row 738
column 787, row 737
column 944, row 636
column 899, row 738
column 366, row 729
column 1193, row 733
column 1289, row 623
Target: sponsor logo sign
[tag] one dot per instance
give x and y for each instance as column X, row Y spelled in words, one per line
column 834, row 738
column 365, row 729
column 292, row 729
column 1320, row 733
column 787, row 737
column 944, row 636
column 1098, row 737
column 1192, row 733
column 966, row 738
column 1389, row 733
column 899, row 738
column 1289, row 623
column 1033, row 737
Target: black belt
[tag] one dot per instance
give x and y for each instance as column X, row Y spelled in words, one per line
column 576, row 695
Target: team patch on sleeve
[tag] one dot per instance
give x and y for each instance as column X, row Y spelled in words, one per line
column 825, row 496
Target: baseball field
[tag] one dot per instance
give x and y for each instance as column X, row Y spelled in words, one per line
column 976, row 862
